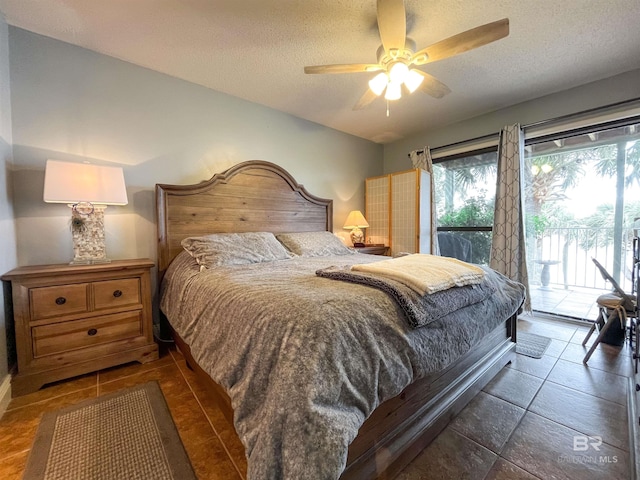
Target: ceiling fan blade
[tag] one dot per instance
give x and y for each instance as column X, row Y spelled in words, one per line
column 462, row 42
column 344, row 68
column 365, row 100
column 392, row 24
column 432, row 86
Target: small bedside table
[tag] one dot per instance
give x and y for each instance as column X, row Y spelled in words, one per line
column 372, row 249
column 75, row 319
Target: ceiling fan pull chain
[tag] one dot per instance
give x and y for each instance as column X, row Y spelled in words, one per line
column 387, row 108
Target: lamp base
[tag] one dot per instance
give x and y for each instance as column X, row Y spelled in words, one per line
column 357, row 236
column 87, row 230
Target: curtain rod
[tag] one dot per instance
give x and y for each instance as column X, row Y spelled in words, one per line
column 455, row 144
column 569, row 116
column 537, row 124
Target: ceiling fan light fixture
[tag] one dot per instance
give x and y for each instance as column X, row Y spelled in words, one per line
column 378, row 83
column 394, row 92
column 397, row 54
column 413, row 80
column 398, row 73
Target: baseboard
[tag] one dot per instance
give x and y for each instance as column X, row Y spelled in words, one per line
column 552, row 317
column 5, row 393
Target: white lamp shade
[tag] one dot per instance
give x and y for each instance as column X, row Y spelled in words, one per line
column 413, row 81
column 394, row 91
column 69, row 182
column 398, row 73
column 378, row 83
column 356, row 220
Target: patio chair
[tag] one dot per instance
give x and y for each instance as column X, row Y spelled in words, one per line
column 613, row 310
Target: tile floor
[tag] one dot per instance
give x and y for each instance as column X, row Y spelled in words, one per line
column 573, row 302
column 524, row 423
column 522, row 426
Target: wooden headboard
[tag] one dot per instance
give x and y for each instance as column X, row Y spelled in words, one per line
column 254, row 196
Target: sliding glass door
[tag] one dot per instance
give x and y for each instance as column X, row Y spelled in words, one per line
column 582, row 198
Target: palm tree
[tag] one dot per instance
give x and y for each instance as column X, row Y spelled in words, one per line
column 552, row 174
column 547, row 177
column 607, row 166
column 461, row 175
column 625, row 168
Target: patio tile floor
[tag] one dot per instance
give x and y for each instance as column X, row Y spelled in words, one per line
column 575, row 302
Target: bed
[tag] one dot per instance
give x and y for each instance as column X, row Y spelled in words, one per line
column 352, row 412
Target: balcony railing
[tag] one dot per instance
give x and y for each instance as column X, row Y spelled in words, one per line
column 573, row 249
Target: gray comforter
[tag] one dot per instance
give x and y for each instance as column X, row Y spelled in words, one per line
column 305, row 359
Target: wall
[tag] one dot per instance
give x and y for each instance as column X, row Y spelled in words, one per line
column 592, row 95
column 70, row 103
column 8, row 257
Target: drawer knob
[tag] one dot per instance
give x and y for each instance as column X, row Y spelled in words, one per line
column 117, row 293
column 91, row 332
column 61, row 301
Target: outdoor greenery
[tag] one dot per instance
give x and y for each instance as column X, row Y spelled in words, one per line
column 477, row 211
column 548, row 177
column 595, row 233
column 599, row 227
column 474, row 174
column 546, row 191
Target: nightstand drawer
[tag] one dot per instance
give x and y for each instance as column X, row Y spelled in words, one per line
column 63, row 337
column 59, row 300
column 116, row 293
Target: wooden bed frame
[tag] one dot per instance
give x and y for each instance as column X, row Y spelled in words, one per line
column 261, row 196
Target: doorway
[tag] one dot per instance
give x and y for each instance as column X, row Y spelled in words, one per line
column 582, row 199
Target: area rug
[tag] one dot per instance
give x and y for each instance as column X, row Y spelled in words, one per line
column 125, row 435
column 531, row 345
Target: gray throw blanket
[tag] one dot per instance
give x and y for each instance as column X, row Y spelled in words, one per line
column 419, row 310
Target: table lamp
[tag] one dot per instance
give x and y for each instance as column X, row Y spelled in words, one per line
column 87, row 189
column 355, row 221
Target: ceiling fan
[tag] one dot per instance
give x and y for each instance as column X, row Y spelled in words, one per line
column 397, row 56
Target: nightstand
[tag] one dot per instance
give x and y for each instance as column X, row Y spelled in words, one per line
column 75, row 319
column 372, row 249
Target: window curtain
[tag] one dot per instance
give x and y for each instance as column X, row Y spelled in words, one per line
column 422, row 159
column 508, row 254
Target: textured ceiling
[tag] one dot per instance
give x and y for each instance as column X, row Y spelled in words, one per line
column 256, row 50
